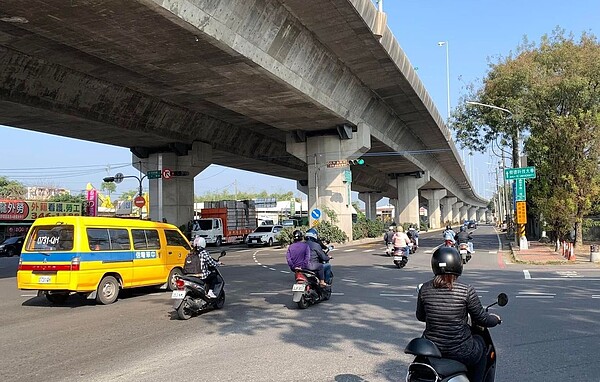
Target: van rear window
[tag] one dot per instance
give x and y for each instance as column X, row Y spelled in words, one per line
column 145, row 239
column 51, row 238
column 106, row 239
column 176, row 239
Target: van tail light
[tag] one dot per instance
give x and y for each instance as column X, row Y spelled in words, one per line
column 180, row 284
column 20, row 264
column 75, row 263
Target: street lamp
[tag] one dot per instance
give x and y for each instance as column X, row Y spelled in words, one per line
column 445, row 43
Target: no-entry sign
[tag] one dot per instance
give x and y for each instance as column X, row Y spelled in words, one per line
column 139, row 201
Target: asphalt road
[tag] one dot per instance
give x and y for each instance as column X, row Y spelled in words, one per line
column 549, row 330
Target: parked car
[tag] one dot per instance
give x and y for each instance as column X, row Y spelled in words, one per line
column 12, row 246
column 264, row 235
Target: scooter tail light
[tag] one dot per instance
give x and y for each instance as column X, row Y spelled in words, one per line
column 180, row 284
column 300, row 277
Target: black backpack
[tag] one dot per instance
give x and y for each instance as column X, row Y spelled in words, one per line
column 192, row 264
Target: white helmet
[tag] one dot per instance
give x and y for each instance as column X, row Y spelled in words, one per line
column 199, row 242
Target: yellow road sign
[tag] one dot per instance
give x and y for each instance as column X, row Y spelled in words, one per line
column 521, row 213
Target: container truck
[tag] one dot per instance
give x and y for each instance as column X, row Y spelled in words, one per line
column 225, row 221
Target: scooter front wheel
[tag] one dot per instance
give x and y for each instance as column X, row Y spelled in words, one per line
column 184, row 311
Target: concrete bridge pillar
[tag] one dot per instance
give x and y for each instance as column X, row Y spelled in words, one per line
column 433, row 206
column 481, row 214
column 173, row 199
column 329, row 187
column 407, row 206
column 456, row 212
column 472, row 213
column 463, row 213
column 370, row 199
column 446, row 207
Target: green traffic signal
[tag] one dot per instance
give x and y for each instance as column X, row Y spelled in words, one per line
column 358, row 162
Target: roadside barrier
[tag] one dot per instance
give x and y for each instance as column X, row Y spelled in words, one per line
column 567, row 251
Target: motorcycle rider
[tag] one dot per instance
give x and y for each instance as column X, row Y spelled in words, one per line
column 319, row 260
column 207, row 264
column 463, row 237
column 413, row 234
column 298, row 253
column 449, row 234
column 401, row 240
column 443, row 304
column 387, row 239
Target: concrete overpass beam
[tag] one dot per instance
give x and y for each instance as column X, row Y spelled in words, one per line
column 407, row 206
column 173, row 199
column 446, row 206
column 456, row 212
column 433, row 206
column 328, row 188
column 370, row 199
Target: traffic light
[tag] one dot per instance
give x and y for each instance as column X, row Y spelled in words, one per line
column 356, row 162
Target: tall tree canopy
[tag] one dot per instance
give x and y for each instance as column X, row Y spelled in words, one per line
column 11, row 189
column 552, row 91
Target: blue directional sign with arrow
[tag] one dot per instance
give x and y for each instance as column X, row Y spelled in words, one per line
column 315, row 214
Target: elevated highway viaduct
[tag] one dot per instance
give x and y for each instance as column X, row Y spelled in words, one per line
column 279, row 87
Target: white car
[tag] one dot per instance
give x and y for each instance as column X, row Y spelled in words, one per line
column 264, row 235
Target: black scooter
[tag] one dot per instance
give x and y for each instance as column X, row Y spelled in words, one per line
column 306, row 290
column 400, row 258
column 429, row 365
column 191, row 298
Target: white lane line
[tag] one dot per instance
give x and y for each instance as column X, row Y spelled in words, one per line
column 368, row 250
column 429, row 251
column 264, row 266
column 529, row 296
column 483, row 291
column 337, row 294
column 29, row 295
column 264, row 293
column 379, row 284
column 349, row 281
column 527, row 274
column 395, row 295
column 493, row 252
column 499, row 242
column 286, row 272
column 349, row 250
column 537, row 293
column 272, row 269
column 596, row 296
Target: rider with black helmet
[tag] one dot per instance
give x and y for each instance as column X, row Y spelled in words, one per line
column 443, row 303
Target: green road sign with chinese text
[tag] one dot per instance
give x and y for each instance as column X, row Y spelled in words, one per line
column 519, row 173
column 153, row 174
column 520, row 194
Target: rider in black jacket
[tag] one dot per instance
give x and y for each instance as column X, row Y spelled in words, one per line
column 443, row 303
column 463, row 236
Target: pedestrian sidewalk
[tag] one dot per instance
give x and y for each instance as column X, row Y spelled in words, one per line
column 544, row 253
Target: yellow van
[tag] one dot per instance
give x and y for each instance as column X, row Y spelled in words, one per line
column 97, row 256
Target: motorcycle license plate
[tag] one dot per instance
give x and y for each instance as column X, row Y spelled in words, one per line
column 179, row 294
column 298, row 288
column 398, row 258
column 463, row 251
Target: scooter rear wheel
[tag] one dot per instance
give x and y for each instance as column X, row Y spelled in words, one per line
column 184, row 312
column 303, row 303
column 220, row 300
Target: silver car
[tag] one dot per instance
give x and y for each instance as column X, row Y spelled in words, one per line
column 264, row 235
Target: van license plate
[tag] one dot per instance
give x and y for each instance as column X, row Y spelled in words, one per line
column 298, row 288
column 44, row 279
column 178, row 294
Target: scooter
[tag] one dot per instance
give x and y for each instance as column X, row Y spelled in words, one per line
column 429, row 365
column 191, row 298
column 307, row 290
column 413, row 246
column 389, row 249
column 400, row 258
column 465, row 252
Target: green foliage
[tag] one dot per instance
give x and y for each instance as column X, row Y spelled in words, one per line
column 11, row 189
column 108, row 187
column 364, row 228
column 326, row 230
column 67, row 198
column 553, row 93
column 129, row 195
column 211, row 196
column 330, row 213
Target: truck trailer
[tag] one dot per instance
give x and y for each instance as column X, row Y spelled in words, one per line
column 225, row 221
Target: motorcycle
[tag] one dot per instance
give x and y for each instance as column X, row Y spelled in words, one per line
column 400, row 258
column 413, row 246
column 389, row 249
column 307, row 290
column 465, row 252
column 429, row 365
column 190, row 297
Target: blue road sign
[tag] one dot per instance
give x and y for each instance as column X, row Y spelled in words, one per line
column 315, row 214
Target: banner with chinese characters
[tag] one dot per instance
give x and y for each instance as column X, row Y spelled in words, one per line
column 31, row 210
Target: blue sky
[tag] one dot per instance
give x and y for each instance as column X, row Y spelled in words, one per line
column 476, row 31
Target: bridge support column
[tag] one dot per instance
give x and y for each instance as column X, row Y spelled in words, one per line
column 456, row 212
column 472, row 213
column 433, row 206
column 446, row 206
column 370, row 199
column 173, row 199
column 407, row 206
column 329, row 187
column 463, row 213
column 481, row 214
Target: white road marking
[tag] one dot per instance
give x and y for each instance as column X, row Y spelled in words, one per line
column 287, row 272
column 349, row 281
column 395, row 295
column 378, row 284
column 528, row 296
column 264, row 293
column 493, row 252
column 429, row 251
column 568, row 274
column 368, row 250
column 29, row 295
column 596, row 296
column 349, row 250
column 273, row 269
column 337, row 294
column 527, row 274
column 535, row 295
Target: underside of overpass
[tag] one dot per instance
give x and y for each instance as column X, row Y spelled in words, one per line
column 241, row 76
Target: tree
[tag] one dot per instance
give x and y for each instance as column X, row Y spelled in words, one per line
column 553, row 92
column 109, row 187
column 129, row 195
column 12, row 189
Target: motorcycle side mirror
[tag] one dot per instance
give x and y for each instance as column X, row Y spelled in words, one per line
column 223, row 253
column 330, row 247
column 419, row 287
column 502, row 299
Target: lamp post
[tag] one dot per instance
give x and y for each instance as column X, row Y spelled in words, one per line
column 445, row 43
column 520, row 234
